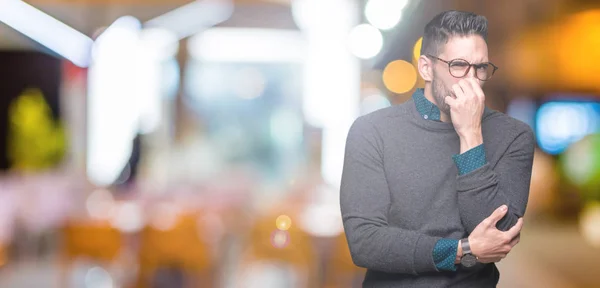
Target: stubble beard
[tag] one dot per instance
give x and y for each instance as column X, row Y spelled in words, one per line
column 439, row 94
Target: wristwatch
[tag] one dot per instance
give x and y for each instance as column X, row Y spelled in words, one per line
column 468, row 259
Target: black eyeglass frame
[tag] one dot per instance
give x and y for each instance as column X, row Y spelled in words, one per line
column 468, row 68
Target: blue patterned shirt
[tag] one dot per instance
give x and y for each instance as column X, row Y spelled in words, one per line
column 444, row 252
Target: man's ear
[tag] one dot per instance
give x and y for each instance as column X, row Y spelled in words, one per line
column 425, row 67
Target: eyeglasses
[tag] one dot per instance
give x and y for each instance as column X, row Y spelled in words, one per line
column 459, row 68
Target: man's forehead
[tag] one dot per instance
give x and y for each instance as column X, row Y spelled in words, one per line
column 471, row 48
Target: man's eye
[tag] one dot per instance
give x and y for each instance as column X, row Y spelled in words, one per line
column 482, row 66
column 460, row 64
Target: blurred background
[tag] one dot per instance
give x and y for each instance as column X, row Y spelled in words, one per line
column 154, row 143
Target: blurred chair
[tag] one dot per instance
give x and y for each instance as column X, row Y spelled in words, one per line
column 340, row 269
column 93, row 240
column 178, row 248
column 289, row 256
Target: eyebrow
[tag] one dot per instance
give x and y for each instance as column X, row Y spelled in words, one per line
column 482, row 61
column 472, row 62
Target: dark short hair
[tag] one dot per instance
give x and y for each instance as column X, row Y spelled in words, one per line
column 451, row 23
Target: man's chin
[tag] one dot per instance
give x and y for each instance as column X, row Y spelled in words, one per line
column 441, row 103
column 444, row 108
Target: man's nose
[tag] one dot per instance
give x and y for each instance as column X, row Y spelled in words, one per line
column 472, row 72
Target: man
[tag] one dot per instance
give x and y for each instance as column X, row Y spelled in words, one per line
column 433, row 190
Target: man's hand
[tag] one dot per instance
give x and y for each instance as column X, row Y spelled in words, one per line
column 490, row 244
column 466, row 111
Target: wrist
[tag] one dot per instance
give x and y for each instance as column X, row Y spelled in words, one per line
column 472, row 244
column 468, row 259
column 470, row 140
column 459, row 253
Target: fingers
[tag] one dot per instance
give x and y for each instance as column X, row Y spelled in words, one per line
column 497, row 215
column 476, row 88
column 464, row 91
column 515, row 240
column 450, row 101
column 458, row 91
column 515, row 230
column 466, row 87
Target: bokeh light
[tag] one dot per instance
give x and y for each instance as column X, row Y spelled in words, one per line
column 384, row 14
column 321, row 220
column 569, row 43
column 128, row 217
column 417, row 49
column 286, row 127
column 311, row 15
column 561, row 123
column 162, row 44
column 581, row 165
column 250, row 83
column 283, row 222
column 280, row 239
column 415, row 61
column 589, row 223
column 165, row 216
column 365, row 41
column 100, row 204
column 399, row 76
column 374, row 101
column 98, row 278
column 575, row 45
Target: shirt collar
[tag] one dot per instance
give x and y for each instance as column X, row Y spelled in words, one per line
column 427, row 109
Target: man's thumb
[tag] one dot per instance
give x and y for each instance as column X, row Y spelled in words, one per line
column 498, row 214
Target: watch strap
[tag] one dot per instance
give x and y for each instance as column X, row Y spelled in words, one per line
column 466, row 247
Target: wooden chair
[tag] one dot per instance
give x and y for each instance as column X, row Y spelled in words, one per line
column 179, row 246
column 93, row 240
column 292, row 248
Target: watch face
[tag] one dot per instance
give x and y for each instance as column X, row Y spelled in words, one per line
column 468, row 260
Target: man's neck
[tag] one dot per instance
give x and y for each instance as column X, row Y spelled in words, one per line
column 428, row 91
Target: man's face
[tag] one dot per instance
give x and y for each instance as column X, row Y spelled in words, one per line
column 471, row 48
